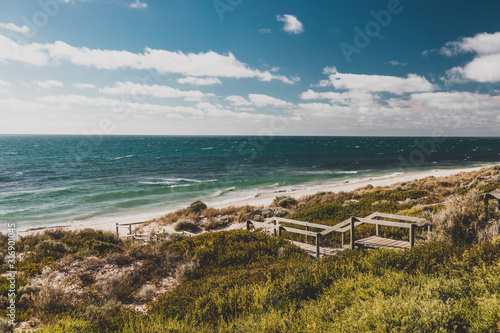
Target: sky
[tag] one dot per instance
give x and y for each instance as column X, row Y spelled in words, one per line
column 241, row 67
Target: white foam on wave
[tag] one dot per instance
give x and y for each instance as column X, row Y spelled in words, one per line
column 175, row 181
column 119, row 158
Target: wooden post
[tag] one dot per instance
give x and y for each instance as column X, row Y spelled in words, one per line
column 275, row 229
column 376, row 229
column 412, row 235
column 307, row 229
column 279, row 230
column 429, row 227
column 318, row 237
column 248, row 224
column 342, row 239
column 353, row 219
column 116, row 229
column 130, row 229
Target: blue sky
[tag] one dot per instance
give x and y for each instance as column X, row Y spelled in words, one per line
column 183, row 67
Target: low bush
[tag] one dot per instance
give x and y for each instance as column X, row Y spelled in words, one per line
column 197, row 207
column 186, row 225
column 284, row 201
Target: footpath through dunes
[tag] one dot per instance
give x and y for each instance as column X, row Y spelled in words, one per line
column 278, row 226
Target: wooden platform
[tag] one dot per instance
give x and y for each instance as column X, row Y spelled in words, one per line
column 375, row 242
column 323, row 251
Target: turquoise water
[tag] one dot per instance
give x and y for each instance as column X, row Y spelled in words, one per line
column 57, row 180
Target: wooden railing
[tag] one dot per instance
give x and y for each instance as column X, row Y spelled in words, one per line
column 349, row 225
column 129, row 227
column 273, row 223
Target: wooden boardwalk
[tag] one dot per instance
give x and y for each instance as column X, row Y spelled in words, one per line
column 276, row 225
column 375, row 242
column 323, row 251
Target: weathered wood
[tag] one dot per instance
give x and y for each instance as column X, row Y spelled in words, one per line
column 129, row 223
column 117, row 230
column 379, row 242
column 377, row 229
column 308, row 224
column 346, row 229
column 353, row 221
column 412, row 235
column 323, row 251
column 396, row 217
column 385, row 223
column 318, row 237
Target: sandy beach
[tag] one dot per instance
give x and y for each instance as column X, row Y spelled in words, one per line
column 265, row 200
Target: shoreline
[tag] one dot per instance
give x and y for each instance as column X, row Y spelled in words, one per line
column 266, row 199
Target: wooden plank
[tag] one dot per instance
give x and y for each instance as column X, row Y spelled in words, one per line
column 280, row 227
column 397, row 217
column 386, row 223
column 379, row 242
column 127, row 224
column 346, row 229
column 308, row 224
column 323, row 251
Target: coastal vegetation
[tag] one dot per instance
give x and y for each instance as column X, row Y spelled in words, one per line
column 240, row 281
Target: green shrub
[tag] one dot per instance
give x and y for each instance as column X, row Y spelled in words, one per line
column 186, row 225
column 49, row 246
column 461, row 222
column 197, row 207
column 284, row 201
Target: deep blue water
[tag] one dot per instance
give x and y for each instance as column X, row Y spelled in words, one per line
column 47, row 180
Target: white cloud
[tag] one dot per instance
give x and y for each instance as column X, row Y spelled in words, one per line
column 84, row 85
column 201, row 110
column 265, row 31
column 454, row 100
column 485, row 67
column 292, row 24
column 482, row 44
column 199, row 81
column 31, row 54
column 203, row 64
column 48, row 84
column 238, row 100
column 260, row 100
column 377, row 83
column 130, row 88
column 138, row 4
column 351, row 98
column 15, row 28
column 5, row 83
column 396, row 63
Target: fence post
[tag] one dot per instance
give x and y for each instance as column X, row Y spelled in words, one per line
column 412, row 235
column 274, row 222
column 116, row 229
column 318, row 238
column 342, row 239
column 353, row 219
column 307, row 229
column 376, row 229
column 130, row 229
column 248, row 224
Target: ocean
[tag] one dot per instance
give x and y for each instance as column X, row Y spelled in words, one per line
column 61, row 180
